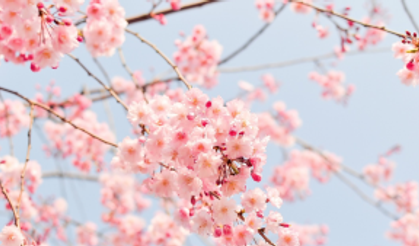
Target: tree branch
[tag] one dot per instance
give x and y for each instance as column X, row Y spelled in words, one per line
column 295, row 61
column 412, row 19
column 28, row 153
column 80, row 176
column 349, row 183
column 6, row 114
column 174, row 67
column 331, row 12
column 109, row 89
column 253, row 38
column 58, row 116
column 15, row 214
column 143, row 17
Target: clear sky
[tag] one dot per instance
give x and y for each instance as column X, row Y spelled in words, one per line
column 382, row 112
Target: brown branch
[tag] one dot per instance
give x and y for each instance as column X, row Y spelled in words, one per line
column 409, row 14
column 58, row 116
column 129, row 71
column 349, row 183
column 125, row 65
column 331, row 12
column 174, row 67
column 79, row 176
column 28, row 153
column 365, row 197
column 295, row 61
column 11, row 148
column 253, row 38
column 143, row 17
column 110, row 90
column 102, row 69
column 15, row 214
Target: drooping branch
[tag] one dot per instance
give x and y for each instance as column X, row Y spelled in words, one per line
column 331, row 12
column 28, row 153
column 12, row 206
column 158, row 51
column 296, row 61
column 351, row 185
column 365, row 197
column 30, row 102
column 253, row 38
column 6, row 115
column 109, row 89
column 147, row 16
column 409, row 14
column 79, row 176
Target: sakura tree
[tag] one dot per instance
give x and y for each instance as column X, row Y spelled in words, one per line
column 144, row 124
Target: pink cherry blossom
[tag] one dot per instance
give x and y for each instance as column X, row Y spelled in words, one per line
column 11, row 236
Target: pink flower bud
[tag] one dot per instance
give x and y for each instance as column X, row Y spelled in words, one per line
column 62, row 9
column 184, row 213
column 259, row 214
column 256, row 176
column 35, row 68
column 218, row 232
column 208, row 104
column 67, row 22
column 204, row 122
column 40, row 5
column 80, row 39
column 410, row 66
column 227, row 230
column 190, row 116
column 284, row 225
column 49, row 19
column 232, row 133
column 193, row 200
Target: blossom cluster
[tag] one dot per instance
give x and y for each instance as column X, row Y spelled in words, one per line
column 332, row 84
column 67, row 141
column 406, row 229
column 105, row 27
column 292, row 178
column 267, row 11
column 407, row 51
column 257, row 93
column 279, row 126
column 13, row 117
column 206, row 151
column 38, row 34
column 197, row 58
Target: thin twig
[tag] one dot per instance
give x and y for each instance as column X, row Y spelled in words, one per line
column 28, row 153
column 168, row 11
column 331, row 12
column 365, row 197
column 105, row 103
column 12, row 206
column 6, row 114
column 346, row 181
column 253, row 38
column 129, row 71
column 174, row 67
column 412, row 19
column 109, row 89
column 59, row 174
column 102, row 69
column 59, row 116
column 296, row 61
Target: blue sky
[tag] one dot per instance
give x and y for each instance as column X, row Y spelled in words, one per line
column 381, row 113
